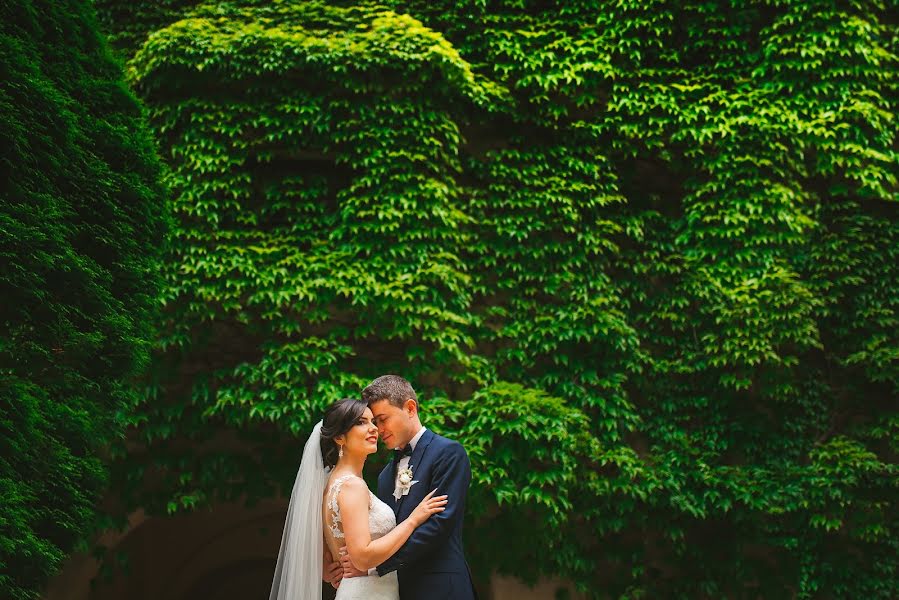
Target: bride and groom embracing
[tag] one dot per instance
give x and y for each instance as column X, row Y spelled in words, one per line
column 406, row 542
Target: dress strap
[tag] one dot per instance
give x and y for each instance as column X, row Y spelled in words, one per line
column 336, row 531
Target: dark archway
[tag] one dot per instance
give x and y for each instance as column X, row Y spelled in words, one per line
column 236, row 581
column 239, row 581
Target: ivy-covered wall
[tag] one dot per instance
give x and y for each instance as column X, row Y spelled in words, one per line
column 82, row 217
column 639, row 257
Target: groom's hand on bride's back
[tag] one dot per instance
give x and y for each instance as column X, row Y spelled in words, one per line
column 332, row 571
column 348, row 569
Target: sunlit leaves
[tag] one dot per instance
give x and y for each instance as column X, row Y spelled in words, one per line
column 669, row 226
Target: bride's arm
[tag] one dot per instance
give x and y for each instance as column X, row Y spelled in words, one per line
column 451, row 474
column 365, row 552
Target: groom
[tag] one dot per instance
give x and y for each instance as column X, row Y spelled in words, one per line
column 431, row 564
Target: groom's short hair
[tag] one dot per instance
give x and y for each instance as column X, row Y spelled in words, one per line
column 392, row 388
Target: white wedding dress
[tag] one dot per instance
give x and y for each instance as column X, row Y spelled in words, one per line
column 381, row 521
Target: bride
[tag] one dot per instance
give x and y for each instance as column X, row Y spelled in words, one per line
column 332, row 505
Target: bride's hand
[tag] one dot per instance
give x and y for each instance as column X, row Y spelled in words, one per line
column 430, row 505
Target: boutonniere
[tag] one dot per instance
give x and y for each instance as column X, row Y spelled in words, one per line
column 404, row 482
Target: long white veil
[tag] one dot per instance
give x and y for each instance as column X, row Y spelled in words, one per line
column 298, row 574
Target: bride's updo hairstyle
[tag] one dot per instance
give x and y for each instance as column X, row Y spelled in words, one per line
column 339, row 418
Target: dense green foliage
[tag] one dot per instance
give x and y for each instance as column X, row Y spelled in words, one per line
column 81, row 217
column 644, row 254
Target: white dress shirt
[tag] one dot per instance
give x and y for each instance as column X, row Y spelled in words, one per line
column 404, row 462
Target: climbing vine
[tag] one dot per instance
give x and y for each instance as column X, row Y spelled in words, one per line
column 639, row 257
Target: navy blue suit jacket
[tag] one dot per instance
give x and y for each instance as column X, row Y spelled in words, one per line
column 431, row 564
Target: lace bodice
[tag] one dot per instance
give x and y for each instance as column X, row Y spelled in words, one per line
column 380, row 516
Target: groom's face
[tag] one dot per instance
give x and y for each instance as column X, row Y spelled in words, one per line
column 394, row 424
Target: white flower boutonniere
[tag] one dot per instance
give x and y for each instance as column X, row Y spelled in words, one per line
column 404, row 482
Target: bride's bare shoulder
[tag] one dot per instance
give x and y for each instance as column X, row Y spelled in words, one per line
column 353, row 495
column 347, row 484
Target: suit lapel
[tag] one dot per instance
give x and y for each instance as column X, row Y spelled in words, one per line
column 414, row 462
column 385, row 485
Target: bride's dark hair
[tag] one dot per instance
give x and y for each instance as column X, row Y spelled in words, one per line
column 339, row 418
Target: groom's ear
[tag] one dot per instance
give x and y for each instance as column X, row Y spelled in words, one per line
column 410, row 406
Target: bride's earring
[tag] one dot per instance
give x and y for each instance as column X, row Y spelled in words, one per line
column 340, row 451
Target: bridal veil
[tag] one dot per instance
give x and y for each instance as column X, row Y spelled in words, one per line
column 298, row 574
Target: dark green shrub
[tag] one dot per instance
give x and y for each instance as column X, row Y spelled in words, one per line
column 81, row 218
